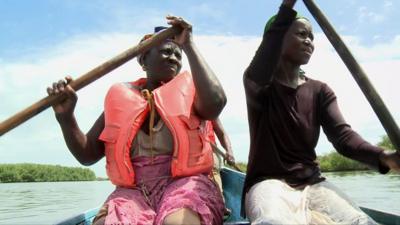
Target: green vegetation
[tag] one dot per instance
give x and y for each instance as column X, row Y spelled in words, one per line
column 28, row 172
column 386, row 143
column 242, row 166
column 333, row 161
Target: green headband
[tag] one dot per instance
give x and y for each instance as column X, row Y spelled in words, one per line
column 273, row 18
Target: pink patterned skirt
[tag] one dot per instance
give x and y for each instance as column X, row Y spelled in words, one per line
column 157, row 194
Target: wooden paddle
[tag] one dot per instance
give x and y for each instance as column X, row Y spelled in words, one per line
column 88, row 78
column 361, row 78
column 223, row 155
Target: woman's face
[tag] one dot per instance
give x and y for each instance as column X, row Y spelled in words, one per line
column 162, row 63
column 298, row 43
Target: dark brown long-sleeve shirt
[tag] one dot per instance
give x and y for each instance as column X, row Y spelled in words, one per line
column 285, row 122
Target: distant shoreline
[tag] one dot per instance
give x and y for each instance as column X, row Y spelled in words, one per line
column 30, row 172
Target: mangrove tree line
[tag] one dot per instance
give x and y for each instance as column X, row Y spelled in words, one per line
column 29, row 172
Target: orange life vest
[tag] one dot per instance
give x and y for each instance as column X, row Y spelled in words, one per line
column 125, row 109
column 210, row 132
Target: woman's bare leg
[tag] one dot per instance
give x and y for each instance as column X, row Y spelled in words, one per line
column 182, row 216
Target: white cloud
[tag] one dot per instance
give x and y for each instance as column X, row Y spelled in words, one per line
column 387, row 4
column 206, row 10
column 367, row 16
column 377, row 52
column 376, row 15
column 40, row 140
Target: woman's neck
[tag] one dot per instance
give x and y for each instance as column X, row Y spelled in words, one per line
column 150, row 85
column 289, row 75
column 154, row 81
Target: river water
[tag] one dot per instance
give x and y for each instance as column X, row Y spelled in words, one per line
column 50, row 202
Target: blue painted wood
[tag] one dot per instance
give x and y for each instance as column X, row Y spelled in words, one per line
column 233, row 183
column 81, row 219
column 382, row 217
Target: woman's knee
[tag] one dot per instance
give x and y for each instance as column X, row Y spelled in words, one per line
column 99, row 221
column 182, row 216
column 100, row 218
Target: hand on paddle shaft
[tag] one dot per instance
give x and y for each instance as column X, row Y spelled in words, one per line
column 289, row 3
column 230, row 159
column 185, row 37
column 391, row 160
column 65, row 109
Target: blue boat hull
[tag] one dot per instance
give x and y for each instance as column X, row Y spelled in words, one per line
column 233, row 184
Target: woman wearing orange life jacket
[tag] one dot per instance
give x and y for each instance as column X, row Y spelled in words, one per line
column 153, row 135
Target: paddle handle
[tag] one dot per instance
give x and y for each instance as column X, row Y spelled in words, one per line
column 87, row 78
column 377, row 104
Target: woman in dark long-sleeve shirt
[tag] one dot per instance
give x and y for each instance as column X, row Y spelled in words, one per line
column 286, row 110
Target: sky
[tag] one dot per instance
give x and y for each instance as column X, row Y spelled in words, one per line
column 41, row 41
